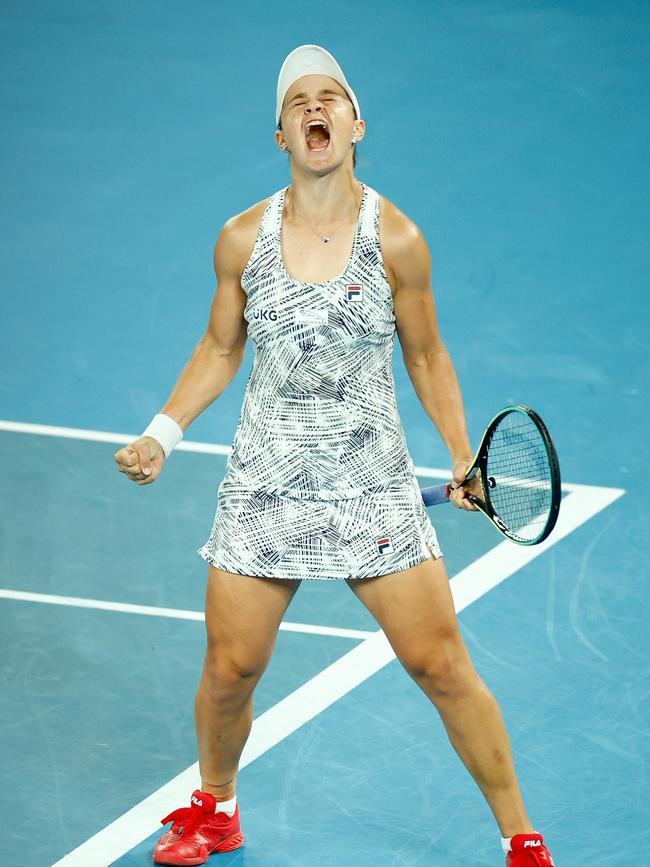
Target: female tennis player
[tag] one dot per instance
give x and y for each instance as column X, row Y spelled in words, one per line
column 319, row 483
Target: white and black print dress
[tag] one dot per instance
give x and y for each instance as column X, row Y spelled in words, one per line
column 319, row 483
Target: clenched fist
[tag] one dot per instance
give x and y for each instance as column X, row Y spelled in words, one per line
column 141, row 460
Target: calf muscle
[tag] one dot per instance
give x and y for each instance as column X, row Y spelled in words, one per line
column 242, row 617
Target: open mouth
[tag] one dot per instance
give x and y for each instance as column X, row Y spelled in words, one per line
column 317, row 135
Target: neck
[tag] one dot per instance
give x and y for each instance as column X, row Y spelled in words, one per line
column 322, row 201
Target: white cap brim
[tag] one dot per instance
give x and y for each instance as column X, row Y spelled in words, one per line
column 310, row 60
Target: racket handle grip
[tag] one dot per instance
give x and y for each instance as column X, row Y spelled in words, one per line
column 435, row 494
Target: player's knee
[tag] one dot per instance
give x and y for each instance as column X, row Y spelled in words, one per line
column 230, row 673
column 441, row 669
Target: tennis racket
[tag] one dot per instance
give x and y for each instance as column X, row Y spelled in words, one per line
column 519, row 474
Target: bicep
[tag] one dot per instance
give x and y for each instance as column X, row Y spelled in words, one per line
column 415, row 310
column 226, row 323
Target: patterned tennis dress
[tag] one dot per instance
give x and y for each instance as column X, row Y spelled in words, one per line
column 319, row 483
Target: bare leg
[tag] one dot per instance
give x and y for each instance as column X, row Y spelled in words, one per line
column 242, row 616
column 415, row 610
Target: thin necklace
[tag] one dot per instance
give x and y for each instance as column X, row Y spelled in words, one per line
column 324, row 238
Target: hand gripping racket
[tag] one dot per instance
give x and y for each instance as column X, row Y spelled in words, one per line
column 519, row 474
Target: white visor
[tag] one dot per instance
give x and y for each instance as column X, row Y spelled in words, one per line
column 310, row 60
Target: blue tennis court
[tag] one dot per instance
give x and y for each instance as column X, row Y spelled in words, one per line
column 515, row 136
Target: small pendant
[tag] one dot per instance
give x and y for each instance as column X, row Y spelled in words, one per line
column 326, row 239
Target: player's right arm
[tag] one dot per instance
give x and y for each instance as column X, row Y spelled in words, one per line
column 218, row 354
column 215, row 358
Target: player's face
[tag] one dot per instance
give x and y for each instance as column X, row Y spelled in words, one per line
column 318, row 122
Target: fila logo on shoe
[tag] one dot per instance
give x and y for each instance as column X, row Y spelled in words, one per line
column 532, row 843
column 197, row 801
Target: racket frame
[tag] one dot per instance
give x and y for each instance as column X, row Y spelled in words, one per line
column 478, row 467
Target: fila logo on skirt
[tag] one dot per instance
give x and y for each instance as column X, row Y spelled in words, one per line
column 384, row 545
column 354, row 293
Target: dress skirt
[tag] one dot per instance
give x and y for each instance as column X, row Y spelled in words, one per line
column 277, row 536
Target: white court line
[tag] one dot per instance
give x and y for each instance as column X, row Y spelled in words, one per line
column 99, row 436
column 177, row 613
column 331, row 684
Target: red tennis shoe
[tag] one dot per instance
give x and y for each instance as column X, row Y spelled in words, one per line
column 528, row 850
column 196, row 832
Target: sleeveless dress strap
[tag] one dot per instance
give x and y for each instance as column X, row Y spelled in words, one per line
column 264, row 248
column 370, row 213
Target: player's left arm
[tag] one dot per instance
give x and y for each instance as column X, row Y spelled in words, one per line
column 429, row 366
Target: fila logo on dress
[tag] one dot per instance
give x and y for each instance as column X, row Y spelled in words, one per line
column 385, row 545
column 354, row 293
column 197, row 801
column 531, row 843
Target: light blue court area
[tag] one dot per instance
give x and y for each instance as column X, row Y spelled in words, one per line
column 515, row 136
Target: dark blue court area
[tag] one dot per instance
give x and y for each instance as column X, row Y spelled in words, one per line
column 515, row 134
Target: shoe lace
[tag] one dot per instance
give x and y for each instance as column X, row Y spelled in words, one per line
column 187, row 819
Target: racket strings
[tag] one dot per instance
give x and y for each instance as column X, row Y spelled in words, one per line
column 519, row 477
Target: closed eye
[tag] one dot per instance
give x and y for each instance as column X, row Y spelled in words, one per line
column 324, row 99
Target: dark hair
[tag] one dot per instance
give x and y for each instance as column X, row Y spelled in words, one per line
column 354, row 149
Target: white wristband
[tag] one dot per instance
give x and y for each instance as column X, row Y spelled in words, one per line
column 166, row 431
